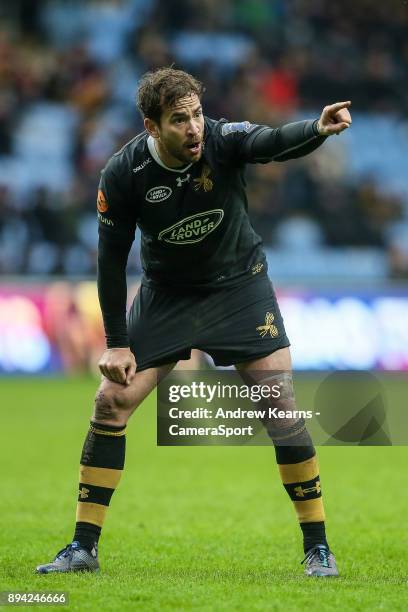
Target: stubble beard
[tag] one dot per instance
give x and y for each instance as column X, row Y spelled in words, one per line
column 179, row 154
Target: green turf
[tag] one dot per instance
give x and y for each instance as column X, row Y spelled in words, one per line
column 192, row 528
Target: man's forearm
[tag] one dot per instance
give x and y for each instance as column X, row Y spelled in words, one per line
column 287, row 142
column 112, row 291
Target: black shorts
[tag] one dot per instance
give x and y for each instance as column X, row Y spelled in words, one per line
column 233, row 325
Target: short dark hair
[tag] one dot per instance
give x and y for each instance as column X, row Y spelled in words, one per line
column 162, row 87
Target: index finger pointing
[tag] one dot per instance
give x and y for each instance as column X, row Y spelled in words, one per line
column 339, row 105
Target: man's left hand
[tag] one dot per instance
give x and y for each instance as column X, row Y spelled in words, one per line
column 334, row 119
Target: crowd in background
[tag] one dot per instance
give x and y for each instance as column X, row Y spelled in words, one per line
column 68, row 75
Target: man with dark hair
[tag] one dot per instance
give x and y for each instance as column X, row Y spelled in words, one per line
column 205, row 286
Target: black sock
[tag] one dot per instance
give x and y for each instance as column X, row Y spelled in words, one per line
column 300, row 475
column 87, row 535
column 313, row 534
column 102, row 462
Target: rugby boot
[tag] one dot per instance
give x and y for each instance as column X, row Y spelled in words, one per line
column 319, row 561
column 72, row 558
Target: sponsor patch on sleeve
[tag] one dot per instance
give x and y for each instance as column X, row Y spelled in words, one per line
column 230, row 128
column 101, row 202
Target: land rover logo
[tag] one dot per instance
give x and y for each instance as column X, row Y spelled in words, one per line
column 194, row 228
column 158, row 194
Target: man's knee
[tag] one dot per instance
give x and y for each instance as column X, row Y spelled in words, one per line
column 285, row 422
column 111, row 403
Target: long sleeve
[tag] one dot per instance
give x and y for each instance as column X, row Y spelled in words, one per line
column 287, row 142
column 112, row 290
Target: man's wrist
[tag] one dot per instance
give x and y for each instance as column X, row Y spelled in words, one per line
column 117, row 342
column 316, row 129
column 115, row 348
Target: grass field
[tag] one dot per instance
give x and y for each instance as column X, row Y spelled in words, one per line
column 192, row 528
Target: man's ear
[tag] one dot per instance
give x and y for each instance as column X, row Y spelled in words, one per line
column 151, row 127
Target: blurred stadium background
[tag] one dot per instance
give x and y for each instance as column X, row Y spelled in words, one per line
column 335, row 224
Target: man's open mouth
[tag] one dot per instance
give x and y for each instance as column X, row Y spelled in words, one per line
column 194, row 147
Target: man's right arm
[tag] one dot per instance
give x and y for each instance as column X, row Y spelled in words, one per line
column 244, row 142
column 112, row 290
column 116, row 234
column 117, row 363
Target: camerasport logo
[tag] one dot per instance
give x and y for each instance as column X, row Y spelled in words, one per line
column 101, row 202
column 158, row 194
column 193, row 229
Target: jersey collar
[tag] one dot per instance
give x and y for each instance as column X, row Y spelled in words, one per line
column 155, row 155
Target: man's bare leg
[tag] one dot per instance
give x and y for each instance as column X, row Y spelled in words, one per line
column 102, row 463
column 296, row 458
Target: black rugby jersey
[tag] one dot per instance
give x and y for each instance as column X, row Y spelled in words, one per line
column 194, row 222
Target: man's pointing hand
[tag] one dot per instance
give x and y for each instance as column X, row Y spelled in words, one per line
column 334, row 119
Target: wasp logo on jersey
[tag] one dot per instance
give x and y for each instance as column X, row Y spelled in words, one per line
column 258, row 267
column 268, row 327
column 203, row 181
column 193, row 229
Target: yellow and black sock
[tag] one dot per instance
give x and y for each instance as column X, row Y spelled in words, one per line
column 299, row 471
column 102, row 463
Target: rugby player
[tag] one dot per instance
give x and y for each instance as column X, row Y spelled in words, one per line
column 205, row 286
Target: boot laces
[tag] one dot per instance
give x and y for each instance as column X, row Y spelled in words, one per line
column 320, row 554
column 68, row 551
